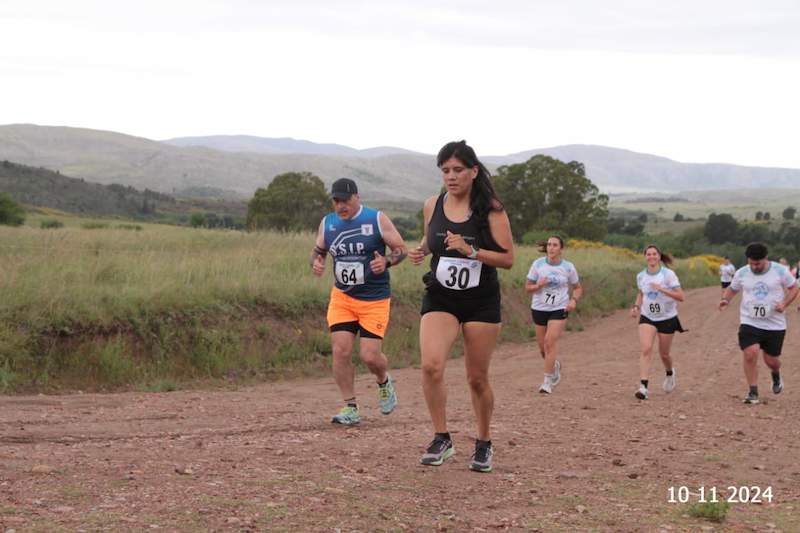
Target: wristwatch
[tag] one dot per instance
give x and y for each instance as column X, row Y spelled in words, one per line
column 474, row 254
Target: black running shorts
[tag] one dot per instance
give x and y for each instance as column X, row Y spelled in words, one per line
column 771, row 341
column 541, row 318
column 667, row 327
column 354, row 328
column 725, row 284
column 486, row 309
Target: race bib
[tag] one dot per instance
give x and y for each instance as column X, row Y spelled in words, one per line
column 757, row 309
column 458, row 274
column 349, row 273
column 656, row 308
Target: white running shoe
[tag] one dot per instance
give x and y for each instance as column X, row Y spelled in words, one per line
column 556, row 374
column 642, row 392
column 669, row 382
column 547, row 385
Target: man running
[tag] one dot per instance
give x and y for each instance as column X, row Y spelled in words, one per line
column 356, row 237
column 726, row 272
column 767, row 290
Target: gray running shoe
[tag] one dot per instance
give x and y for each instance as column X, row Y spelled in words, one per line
column 482, row 458
column 547, row 385
column 642, row 392
column 556, row 374
column 439, row 450
column 777, row 384
column 751, row 398
column 387, row 396
column 669, row 382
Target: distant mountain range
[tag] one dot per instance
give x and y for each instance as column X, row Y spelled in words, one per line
column 234, row 166
column 282, row 145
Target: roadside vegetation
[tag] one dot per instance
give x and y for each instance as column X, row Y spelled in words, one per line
column 96, row 306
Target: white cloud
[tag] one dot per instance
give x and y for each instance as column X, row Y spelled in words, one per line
column 695, row 81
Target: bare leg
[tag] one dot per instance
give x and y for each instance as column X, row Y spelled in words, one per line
column 437, row 332
column 480, row 339
column 374, row 359
column 647, row 336
column 343, row 369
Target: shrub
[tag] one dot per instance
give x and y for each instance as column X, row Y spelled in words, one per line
column 51, row 223
column 11, row 213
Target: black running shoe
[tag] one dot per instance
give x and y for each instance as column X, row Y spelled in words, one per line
column 482, row 458
column 439, row 450
column 777, row 384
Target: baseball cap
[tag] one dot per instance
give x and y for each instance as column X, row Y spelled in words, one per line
column 343, row 188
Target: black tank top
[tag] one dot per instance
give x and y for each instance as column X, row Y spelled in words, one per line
column 455, row 277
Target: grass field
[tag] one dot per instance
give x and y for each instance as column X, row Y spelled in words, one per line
column 101, row 304
column 742, row 204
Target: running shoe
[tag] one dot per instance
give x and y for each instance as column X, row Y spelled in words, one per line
column 387, row 397
column 751, row 398
column 669, row 382
column 642, row 392
column 348, row 416
column 547, row 385
column 482, row 458
column 556, row 374
column 439, row 450
column 777, row 384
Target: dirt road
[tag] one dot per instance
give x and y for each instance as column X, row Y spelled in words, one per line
column 590, row 457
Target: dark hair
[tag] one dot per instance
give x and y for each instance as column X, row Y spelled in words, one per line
column 482, row 199
column 543, row 244
column 756, row 251
column 665, row 258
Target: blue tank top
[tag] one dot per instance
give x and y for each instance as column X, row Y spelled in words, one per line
column 352, row 244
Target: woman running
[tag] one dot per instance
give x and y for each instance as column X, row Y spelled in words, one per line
column 467, row 231
column 657, row 308
column 549, row 280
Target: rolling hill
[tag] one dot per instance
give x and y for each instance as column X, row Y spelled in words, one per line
column 234, row 166
column 108, row 157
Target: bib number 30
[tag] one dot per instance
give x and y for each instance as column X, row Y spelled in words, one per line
column 458, row 274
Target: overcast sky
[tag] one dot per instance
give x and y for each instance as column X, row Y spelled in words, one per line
column 696, row 81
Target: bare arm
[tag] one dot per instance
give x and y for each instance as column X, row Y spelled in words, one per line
column 533, row 286
column 500, row 228
column 675, row 294
column 416, row 255
column 727, row 296
column 791, row 294
column 637, row 306
column 319, row 252
column 577, row 294
column 394, row 240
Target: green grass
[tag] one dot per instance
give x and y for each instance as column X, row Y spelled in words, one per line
column 713, row 511
column 109, row 307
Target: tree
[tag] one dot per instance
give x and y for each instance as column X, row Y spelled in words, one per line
column 789, row 213
column 545, row 193
column 294, row 201
column 720, row 228
column 767, row 215
column 759, row 215
column 197, row 220
column 11, row 213
column 678, row 217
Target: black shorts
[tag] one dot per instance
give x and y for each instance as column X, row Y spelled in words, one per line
column 725, row 284
column 486, row 309
column 541, row 318
column 667, row 327
column 355, row 328
column 771, row 341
